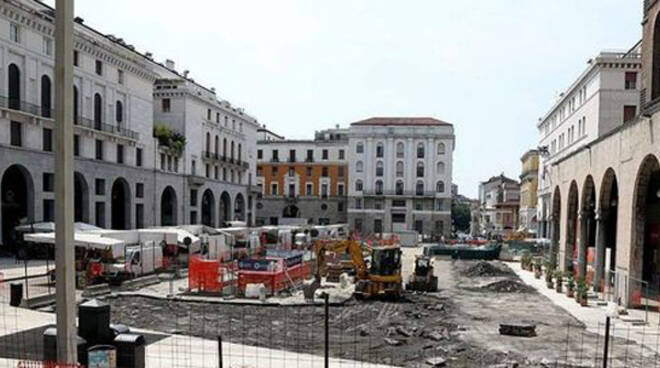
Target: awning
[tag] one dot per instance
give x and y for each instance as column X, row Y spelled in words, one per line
column 91, row 241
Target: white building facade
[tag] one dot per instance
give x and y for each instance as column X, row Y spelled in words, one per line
column 400, row 172
column 604, row 97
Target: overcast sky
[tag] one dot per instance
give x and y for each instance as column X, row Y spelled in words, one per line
column 491, row 68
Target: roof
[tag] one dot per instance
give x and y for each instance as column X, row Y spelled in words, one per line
column 402, row 121
column 500, row 177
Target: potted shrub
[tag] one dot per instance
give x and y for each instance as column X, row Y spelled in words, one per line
column 549, row 273
column 570, row 286
column 582, row 292
column 558, row 280
column 537, row 268
column 526, row 261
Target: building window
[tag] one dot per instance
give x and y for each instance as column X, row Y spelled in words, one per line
column 324, row 154
column 120, row 76
column 273, row 189
column 358, row 203
column 358, row 185
column 193, row 217
column 340, row 206
column 440, row 187
column 629, row 112
column 100, row 214
column 341, row 154
column 260, row 171
column 207, row 170
column 48, row 46
column 380, row 150
column 359, row 167
column 99, row 67
column 378, row 226
column 193, row 197
column 193, row 167
column 99, row 149
column 359, row 148
column 119, row 112
column 14, row 32
column 47, row 140
column 340, row 171
column 260, row 154
column 310, row 156
column 631, row 80
column 76, row 145
column 419, row 188
column 139, row 215
column 420, row 169
column 324, row 190
column 308, row 189
column 340, row 189
column 120, row 154
column 292, row 155
column 358, row 225
column 275, row 156
column 49, row 210
column 98, row 111
column 45, row 96
column 379, row 168
column 99, row 187
column 420, row 150
column 441, row 148
column 165, row 104
column 138, row 157
column 48, row 182
column 441, row 167
column 399, row 187
column 292, row 190
column 208, row 114
column 324, row 172
column 309, row 171
column 399, row 169
column 76, row 57
column 139, row 190
column 292, row 172
column 16, row 138
column 400, row 150
column 379, row 187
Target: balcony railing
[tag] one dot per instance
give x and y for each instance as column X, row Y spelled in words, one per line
column 220, row 158
column 113, row 129
column 16, row 104
column 405, row 193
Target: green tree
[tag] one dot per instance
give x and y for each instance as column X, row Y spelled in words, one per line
column 460, row 216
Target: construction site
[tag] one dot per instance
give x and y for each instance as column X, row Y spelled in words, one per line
column 201, row 297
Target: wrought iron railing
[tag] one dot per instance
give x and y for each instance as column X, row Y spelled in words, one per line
column 113, row 129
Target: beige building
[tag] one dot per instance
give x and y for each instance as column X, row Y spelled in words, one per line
column 529, row 191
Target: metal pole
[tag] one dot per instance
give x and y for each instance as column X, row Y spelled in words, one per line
column 219, row 351
column 327, row 330
column 607, row 341
column 27, row 291
column 64, row 191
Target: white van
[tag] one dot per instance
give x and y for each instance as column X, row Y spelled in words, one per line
column 138, row 261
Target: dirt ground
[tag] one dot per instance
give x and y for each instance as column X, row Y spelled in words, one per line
column 458, row 324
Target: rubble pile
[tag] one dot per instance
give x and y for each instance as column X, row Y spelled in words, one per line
column 487, row 269
column 507, row 286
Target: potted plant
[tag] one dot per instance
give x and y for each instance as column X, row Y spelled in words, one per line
column 558, row 280
column 537, row 268
column 549, row 273
column 582, row 292
column 570, row 286
column 526, row 261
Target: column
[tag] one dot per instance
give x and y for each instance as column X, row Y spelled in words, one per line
column 582, row 243
column 601, row 217
column 553, row 241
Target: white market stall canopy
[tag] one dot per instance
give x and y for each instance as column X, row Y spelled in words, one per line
column 85, row 240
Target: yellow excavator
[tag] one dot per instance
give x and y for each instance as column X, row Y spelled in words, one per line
column 381, row 277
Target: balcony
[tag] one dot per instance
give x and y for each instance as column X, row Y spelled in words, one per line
column 395, row 193
column 112, row 129
column 19, row 105
column 208, row 155
column 212, row 156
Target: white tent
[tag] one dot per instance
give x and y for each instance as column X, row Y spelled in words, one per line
column 92, row 241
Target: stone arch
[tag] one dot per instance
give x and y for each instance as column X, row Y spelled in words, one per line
column 168, row 207
column 225, row 208
column 14, row 86
column 239, row 207
column 608, row 214
column 646, row 221
column 587, row 221
column 208, row 199
column 81, row 198
column 572, row 205
column 120, row 205
column 16, row 200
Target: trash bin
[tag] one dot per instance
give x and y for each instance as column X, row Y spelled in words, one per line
column 15, row 294
column 50, row 346
column 118, row 329
column 94, row 322
column 102, row 356
column 130, row 350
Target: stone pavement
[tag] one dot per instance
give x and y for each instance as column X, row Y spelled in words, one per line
column 593, row 316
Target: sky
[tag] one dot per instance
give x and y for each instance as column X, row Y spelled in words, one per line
column 491, row 68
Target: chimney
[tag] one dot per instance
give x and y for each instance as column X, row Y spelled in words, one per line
column 336, row 126
column 169, row 63
column 185, row 73
column 149, row 55
column 213, row 89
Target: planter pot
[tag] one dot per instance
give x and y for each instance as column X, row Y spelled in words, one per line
column 559, row 288
column 537, row 274
column 550, row 285
column 570, row 293
column 583, row 302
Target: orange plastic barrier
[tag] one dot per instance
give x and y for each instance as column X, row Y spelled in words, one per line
column 275, row 281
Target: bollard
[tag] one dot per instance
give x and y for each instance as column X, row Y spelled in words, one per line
column 219, row 351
